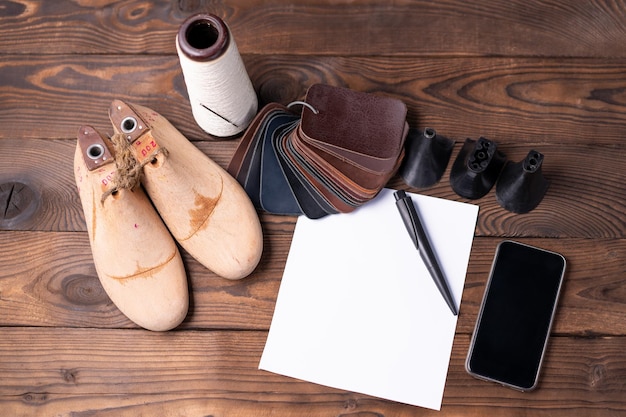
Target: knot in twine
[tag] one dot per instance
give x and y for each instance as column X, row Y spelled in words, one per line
column 128, row 170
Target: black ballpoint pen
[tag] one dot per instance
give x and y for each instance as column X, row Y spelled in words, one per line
column 418, row 235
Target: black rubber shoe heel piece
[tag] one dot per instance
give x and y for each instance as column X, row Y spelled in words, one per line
column 521, row 185
column 426, row 159
column 476, row 168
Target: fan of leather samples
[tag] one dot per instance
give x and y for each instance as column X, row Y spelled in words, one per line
column 335, row 156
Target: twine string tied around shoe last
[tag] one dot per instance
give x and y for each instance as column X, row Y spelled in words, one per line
column 128, row 169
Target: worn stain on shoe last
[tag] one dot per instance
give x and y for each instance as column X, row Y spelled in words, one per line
column 199, row 215
column 146, row 272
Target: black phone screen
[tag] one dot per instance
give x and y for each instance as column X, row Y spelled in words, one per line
column 516, row 315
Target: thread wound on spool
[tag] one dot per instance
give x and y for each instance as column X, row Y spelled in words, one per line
column 223, row 100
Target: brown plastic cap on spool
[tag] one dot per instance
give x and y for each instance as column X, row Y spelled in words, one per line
column 203, row 37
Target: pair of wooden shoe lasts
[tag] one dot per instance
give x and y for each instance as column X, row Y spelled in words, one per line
column 198, row 203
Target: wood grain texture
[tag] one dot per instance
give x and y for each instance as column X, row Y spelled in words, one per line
column 45, row 168
column 585, row 198
column 522, row 100
column 58, row 287
column 215, row 373
column 548, row 75
column 491, row 27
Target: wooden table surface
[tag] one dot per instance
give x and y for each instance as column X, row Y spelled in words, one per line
column 532, row 74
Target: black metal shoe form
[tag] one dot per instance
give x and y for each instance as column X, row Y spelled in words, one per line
column 476, row 168
column 521, row 185
column 427, row 156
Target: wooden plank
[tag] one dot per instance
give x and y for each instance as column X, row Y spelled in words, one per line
column 487, row 27
column 592, row 295
column 128, row 373
column 38, row 182
column 44, row 170
column 53, row 96
column 585, row 198
column 59, row 287
column 521, row 100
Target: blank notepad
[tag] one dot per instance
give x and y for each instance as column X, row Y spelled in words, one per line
column 357, row 309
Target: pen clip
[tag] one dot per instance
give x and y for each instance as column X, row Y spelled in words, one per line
column 408, row 214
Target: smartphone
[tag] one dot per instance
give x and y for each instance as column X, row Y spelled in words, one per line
column 515, row 318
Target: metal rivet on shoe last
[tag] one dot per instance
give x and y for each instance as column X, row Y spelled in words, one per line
column 95, row 151
column 129, row 124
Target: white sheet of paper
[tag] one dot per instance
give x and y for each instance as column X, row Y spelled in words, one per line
column 357, row 309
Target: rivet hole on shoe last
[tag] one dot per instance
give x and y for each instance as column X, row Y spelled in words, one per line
column 128, row 124
column 95, row 151
column 156, row 161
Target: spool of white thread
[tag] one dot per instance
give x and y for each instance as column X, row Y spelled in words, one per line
column 223, row 100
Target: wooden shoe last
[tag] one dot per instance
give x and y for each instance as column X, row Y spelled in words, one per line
column 204, row 207
column 136, row 258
